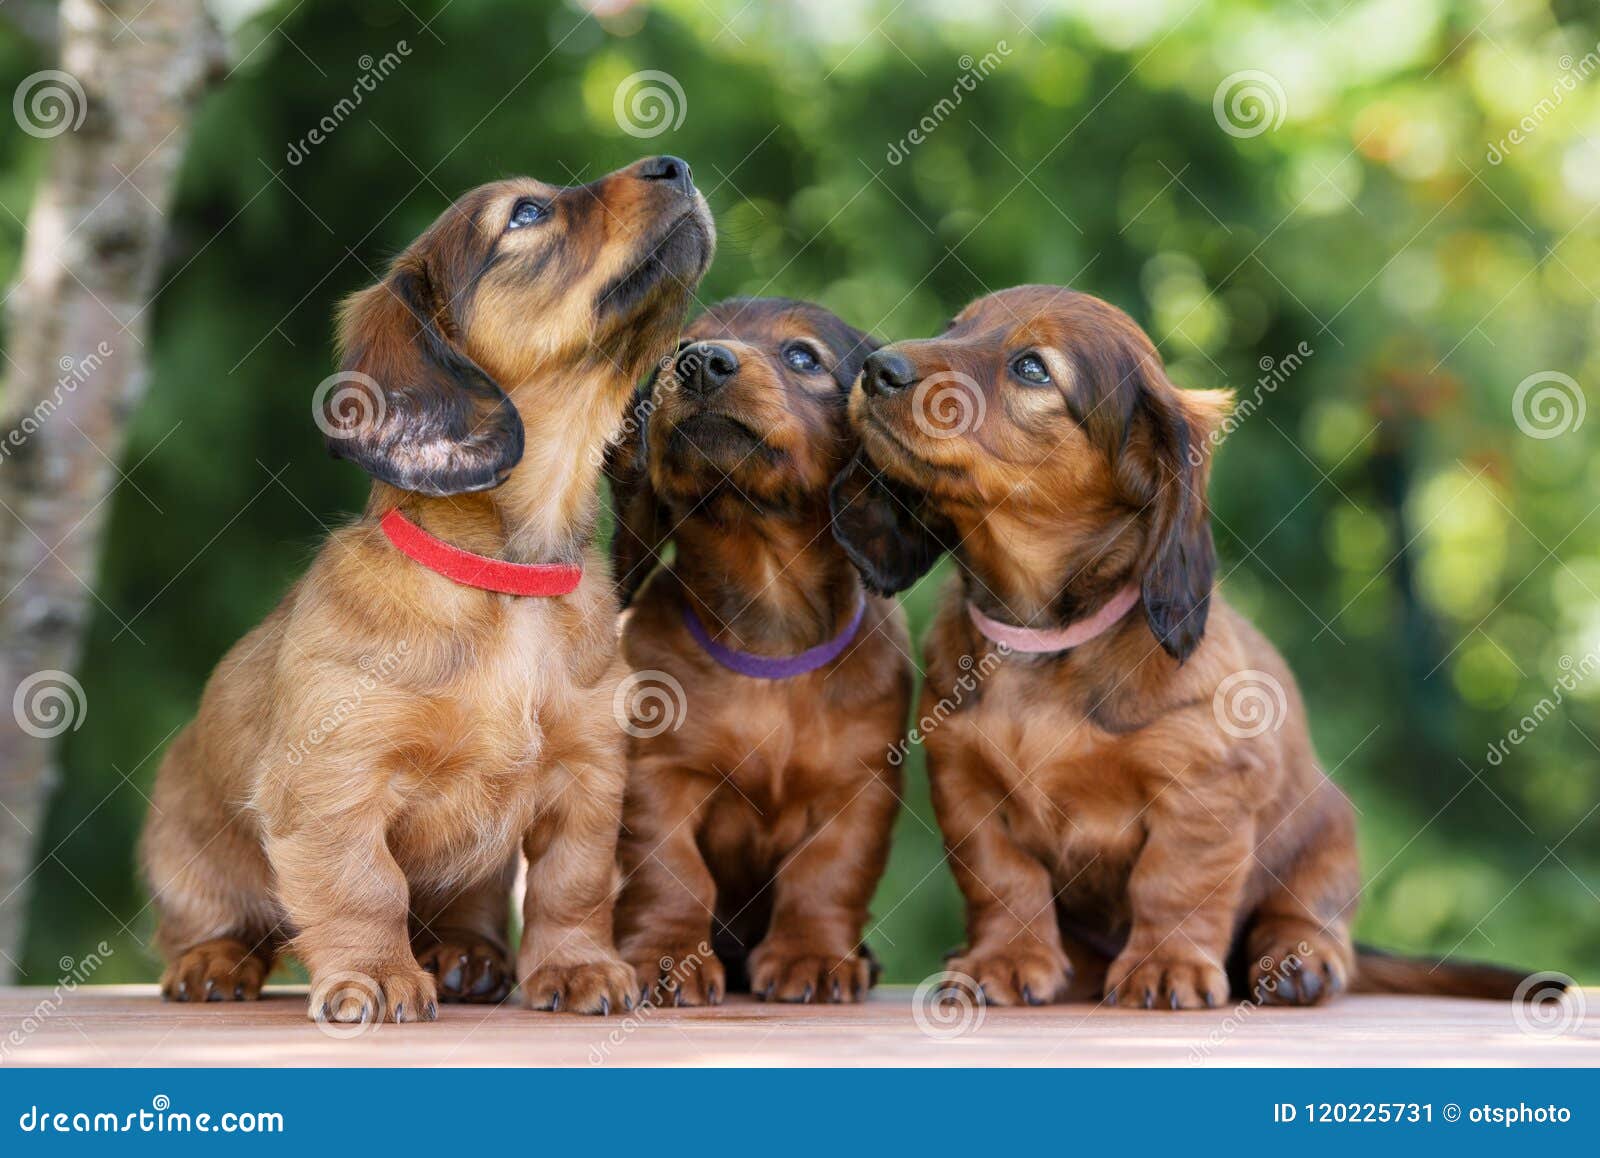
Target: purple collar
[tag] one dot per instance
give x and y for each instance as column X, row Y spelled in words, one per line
column 773, row 667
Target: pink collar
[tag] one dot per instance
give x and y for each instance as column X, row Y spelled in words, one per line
column 1037, row 642
column 471, row 570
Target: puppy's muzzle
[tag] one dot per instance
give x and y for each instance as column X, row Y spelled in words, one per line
column 886, row 372
column 705, row 368
column 673, row 170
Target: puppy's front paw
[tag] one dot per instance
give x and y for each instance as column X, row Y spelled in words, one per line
column 597, row 986
column 221, row 970
column 802, row 972
column 469, row 967
column 1165, row 979
column 384, row 992
column 1015, row 974
column 678, row 974
column 1298, row 966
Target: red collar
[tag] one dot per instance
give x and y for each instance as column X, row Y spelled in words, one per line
column 479, row 570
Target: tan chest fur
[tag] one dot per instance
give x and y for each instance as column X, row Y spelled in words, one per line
column 1079, row 763
column 1061, row 781
column 761, row 805
column 475, row 716
column 771, row 756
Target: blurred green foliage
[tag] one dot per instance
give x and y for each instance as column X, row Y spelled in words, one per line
column 1424, row 564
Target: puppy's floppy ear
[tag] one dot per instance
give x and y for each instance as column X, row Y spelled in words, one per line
column 641, row 523
column 884, row 527
column 410, row 408
column 1179, row 575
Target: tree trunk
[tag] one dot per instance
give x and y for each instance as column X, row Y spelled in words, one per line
column 118, row 110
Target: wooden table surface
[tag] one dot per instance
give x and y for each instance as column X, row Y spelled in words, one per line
column 130, row 1026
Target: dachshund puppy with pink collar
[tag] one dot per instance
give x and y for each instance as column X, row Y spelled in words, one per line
column 1118, row 823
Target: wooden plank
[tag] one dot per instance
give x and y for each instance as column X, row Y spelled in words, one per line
column 131, row 1026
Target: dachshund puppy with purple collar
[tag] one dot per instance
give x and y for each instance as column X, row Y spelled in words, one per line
column 769, row 689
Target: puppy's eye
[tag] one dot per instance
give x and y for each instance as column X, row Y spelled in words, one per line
column 526, row 213
column 1031, row 369
column 801, row 358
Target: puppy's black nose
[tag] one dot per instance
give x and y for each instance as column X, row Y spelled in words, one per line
column 704, row 369
column 886, row 372
column 666, row 167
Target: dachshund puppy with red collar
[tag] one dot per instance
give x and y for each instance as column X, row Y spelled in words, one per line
column 1112, row 814
column 434, row 697
column 759, row 805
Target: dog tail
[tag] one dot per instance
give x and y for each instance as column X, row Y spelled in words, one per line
column 1378, row 971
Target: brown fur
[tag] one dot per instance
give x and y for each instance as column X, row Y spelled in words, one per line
column 1109, row 834
column 756, row 829
column 367, row 763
